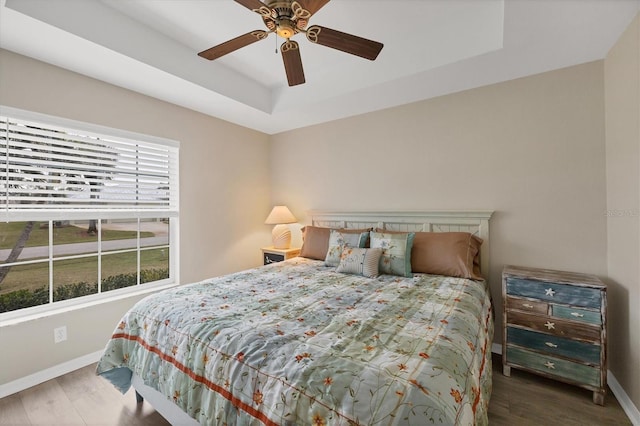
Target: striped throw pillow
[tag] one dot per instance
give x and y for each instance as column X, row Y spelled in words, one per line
column 360, row 261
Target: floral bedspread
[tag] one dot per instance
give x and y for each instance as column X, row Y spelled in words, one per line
column 297, row 343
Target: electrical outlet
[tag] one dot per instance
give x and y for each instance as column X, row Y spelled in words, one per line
column 60, row 334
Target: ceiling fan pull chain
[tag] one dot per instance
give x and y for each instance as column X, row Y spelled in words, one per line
column 276, row 43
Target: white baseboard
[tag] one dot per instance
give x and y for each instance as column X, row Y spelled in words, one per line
column 625, row 402
column 48, row 374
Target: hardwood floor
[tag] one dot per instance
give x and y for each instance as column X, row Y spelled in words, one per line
column 77, row 398
column 81, row 398
column 527, row 399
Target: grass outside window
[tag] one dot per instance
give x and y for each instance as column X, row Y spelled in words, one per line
column 9, row 233
column 75, row 269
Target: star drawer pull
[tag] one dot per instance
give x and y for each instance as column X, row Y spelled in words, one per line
column 549, row 292
column 550, row 365
column 551, row 345
column 527, row 305
column 577, row 314
column 550, row 325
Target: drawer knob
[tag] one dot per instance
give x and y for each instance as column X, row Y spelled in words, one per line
column 551, row 345
column 550, row 365
column 527, row 305
column 577, row 314
column 550, row 325
column 549, row 292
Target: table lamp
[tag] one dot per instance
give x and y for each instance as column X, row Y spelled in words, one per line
column 281, row 235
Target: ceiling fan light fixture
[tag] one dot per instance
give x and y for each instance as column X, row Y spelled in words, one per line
column 285, row 28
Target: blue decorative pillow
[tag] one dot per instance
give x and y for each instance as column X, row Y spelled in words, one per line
column 338, row 241
column 396, row 252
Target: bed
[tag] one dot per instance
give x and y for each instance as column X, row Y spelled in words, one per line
column 302, row 343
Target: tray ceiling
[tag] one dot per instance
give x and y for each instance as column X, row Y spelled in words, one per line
column 431, row 48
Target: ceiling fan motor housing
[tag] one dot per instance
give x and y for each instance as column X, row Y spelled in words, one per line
column 287, row 21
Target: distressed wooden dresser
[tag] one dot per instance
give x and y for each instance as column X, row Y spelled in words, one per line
column 555, row 325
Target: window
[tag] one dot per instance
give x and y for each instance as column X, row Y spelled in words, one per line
column 86, row 211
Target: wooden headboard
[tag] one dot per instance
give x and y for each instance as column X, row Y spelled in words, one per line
column 474, row 222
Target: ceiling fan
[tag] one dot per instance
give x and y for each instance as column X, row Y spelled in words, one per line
column 287, row 18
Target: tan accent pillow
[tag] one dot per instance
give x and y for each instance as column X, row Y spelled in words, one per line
column 454, row 254
column 315, row 241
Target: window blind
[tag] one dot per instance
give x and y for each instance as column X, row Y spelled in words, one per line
column 50, row 168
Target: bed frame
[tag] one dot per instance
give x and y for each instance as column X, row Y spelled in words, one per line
column 475, row 222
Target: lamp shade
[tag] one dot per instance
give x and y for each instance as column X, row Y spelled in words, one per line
column 279, row 215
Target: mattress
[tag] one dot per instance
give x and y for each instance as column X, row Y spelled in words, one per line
column 296, row 342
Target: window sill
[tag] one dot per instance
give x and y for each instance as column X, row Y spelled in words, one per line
column 44, row 311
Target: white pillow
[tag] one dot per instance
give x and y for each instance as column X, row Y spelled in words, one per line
column 396, row 252
column 338, row 241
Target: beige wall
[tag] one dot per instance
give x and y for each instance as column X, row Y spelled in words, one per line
column 531, row 149
column 622, row 94
column 224, row 196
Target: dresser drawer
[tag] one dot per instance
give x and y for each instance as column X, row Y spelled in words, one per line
column 550, row 365
column 555, row 326
column 553, row 345
column 527, row 305
column 555, row 292
column 576, row 314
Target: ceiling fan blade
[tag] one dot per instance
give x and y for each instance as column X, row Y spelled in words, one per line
column 292, row 62
column 311, row 6
column 348, row 43
column 233, row 44
column 256, row 6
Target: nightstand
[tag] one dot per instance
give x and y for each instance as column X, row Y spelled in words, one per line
column 272, row 254
column 555, row 325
